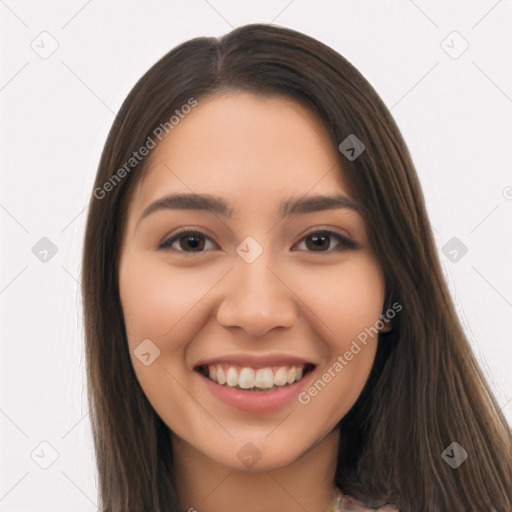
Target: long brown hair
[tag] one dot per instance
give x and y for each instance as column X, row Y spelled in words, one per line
column 425, row 390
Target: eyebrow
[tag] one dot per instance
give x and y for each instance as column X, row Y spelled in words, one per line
column 217, row 205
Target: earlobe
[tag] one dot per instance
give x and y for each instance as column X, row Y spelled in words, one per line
column 386, row 317
column 388, row 327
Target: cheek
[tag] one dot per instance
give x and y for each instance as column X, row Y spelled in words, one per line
column 146, row 299
column 349, row 307
column 159, row 301
column 346, row 298
column 361, row 294
column 158, row 304
column 347, row 304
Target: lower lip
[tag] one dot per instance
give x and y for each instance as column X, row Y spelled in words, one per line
column 257, row 401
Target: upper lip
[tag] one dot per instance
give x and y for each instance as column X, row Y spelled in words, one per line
column 256, row 360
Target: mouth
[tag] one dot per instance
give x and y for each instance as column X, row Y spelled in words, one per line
column 254, row 379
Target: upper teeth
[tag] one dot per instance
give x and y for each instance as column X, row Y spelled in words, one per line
column 263, row 378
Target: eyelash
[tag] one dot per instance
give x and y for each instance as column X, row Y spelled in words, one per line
column 344, row 242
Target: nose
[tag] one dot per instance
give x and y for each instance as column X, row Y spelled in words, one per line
column 256, row 298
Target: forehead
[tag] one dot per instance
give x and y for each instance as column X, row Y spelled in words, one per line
column 247, row 148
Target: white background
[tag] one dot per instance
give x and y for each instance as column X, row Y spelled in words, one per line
column 455, row 115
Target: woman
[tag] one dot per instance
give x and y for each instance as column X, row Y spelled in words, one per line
column 267, row 324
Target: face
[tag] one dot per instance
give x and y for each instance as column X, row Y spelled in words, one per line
column 247, row 287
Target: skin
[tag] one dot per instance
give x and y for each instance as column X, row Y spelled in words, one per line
column 254, row 152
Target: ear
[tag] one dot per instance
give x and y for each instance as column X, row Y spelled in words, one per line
column 388, row 327
column 388, row 322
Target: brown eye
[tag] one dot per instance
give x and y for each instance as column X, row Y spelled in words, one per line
column 321, row 241
column 188, row 241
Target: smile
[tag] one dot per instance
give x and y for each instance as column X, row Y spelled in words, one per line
column 253, row 379
column 269, row 389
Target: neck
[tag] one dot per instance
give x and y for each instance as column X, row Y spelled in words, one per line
column 307, row 483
